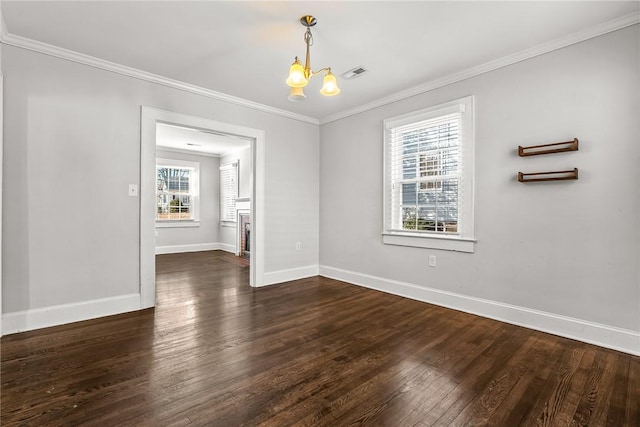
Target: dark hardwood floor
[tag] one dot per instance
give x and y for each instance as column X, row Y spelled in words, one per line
column 313, row 352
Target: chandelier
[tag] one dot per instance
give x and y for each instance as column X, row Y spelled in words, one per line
column 299, row 76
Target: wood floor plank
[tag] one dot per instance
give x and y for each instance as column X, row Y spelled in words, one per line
column 632, row 403
column 552, row 409
column 476, row 377
column 310, row 352
column 529, row 388
column 495, row 392
column 591, row 391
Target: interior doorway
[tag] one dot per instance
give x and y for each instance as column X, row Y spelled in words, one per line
column 203, row 191
column 154, row 123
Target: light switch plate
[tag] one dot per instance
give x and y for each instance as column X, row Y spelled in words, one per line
column 133, row 190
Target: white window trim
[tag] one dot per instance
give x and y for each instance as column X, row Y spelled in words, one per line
column 181, row 223
column 195, row 202
column 464, row 240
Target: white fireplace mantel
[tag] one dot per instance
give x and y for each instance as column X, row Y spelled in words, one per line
column 243, row 204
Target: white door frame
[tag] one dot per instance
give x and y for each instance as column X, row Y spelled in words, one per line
column 149, row 118
column 3, row 33
column 1, row 151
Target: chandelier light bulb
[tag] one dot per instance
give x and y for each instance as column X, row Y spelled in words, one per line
column 297, row 76
column 330, row 85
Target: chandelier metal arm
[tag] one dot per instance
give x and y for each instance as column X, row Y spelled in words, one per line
column 314, row 73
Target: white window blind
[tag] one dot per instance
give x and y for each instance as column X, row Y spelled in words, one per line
column 429, row 174
column 424, row 159
column 228, row 191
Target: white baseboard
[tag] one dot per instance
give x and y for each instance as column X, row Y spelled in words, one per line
column 174, row 249
column 620, row 339
column 28, row 320
column 226, row 248
column 280, row 276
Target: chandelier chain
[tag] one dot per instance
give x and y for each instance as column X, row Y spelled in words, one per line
column 308, row 37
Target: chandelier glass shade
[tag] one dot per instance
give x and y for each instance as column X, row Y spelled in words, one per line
column 297, row 76
column 296, row 94
column 329, row 85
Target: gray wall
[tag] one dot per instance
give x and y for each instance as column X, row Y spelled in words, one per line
column 72, row 146
column 207, row 232
column 570, row 247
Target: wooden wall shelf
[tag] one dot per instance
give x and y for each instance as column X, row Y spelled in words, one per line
column 548, row 176
column 558, row 147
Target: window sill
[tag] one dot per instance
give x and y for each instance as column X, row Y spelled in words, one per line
column 178, row 224
column 446, row 243
column 229, row 224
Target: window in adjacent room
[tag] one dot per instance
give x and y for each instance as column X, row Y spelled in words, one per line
column 228, row 192
column 429, row 177
column 177, row 188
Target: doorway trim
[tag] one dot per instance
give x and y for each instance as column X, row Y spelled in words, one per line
column 149, row 118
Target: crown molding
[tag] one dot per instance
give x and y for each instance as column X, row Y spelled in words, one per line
column 70, row 55
column 577, row 37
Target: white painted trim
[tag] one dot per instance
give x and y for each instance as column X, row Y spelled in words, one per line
column 80, row 58
column 1, row 160
column 178, row 224
column 258, row 209
column 28, row 320
column 198, row 247
column 185, row 151
column 568, row 40
column 147, row 200
column 620, row 339
column 280, row 276
column 149, row 118
column 3, row 32
column 226, row 247
column 3, row 26
column 431, row 242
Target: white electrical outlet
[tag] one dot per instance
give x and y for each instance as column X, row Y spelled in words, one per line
column 133, row 190
column 432, row 260
column 298, row 246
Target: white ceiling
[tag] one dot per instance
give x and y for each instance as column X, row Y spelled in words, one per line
column 202, row 141
column 244, row 48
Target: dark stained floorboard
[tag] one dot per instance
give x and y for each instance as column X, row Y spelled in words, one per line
column 312, row 352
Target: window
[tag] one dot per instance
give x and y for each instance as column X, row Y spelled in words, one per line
column 429, row 177
column 177, row 188
column 228, row 192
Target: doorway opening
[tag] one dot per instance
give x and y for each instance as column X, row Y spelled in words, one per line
column 175, row 202
column 203, row 190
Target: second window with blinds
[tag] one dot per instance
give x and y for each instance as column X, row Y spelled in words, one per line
column 428, row 166
column 228, row 193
